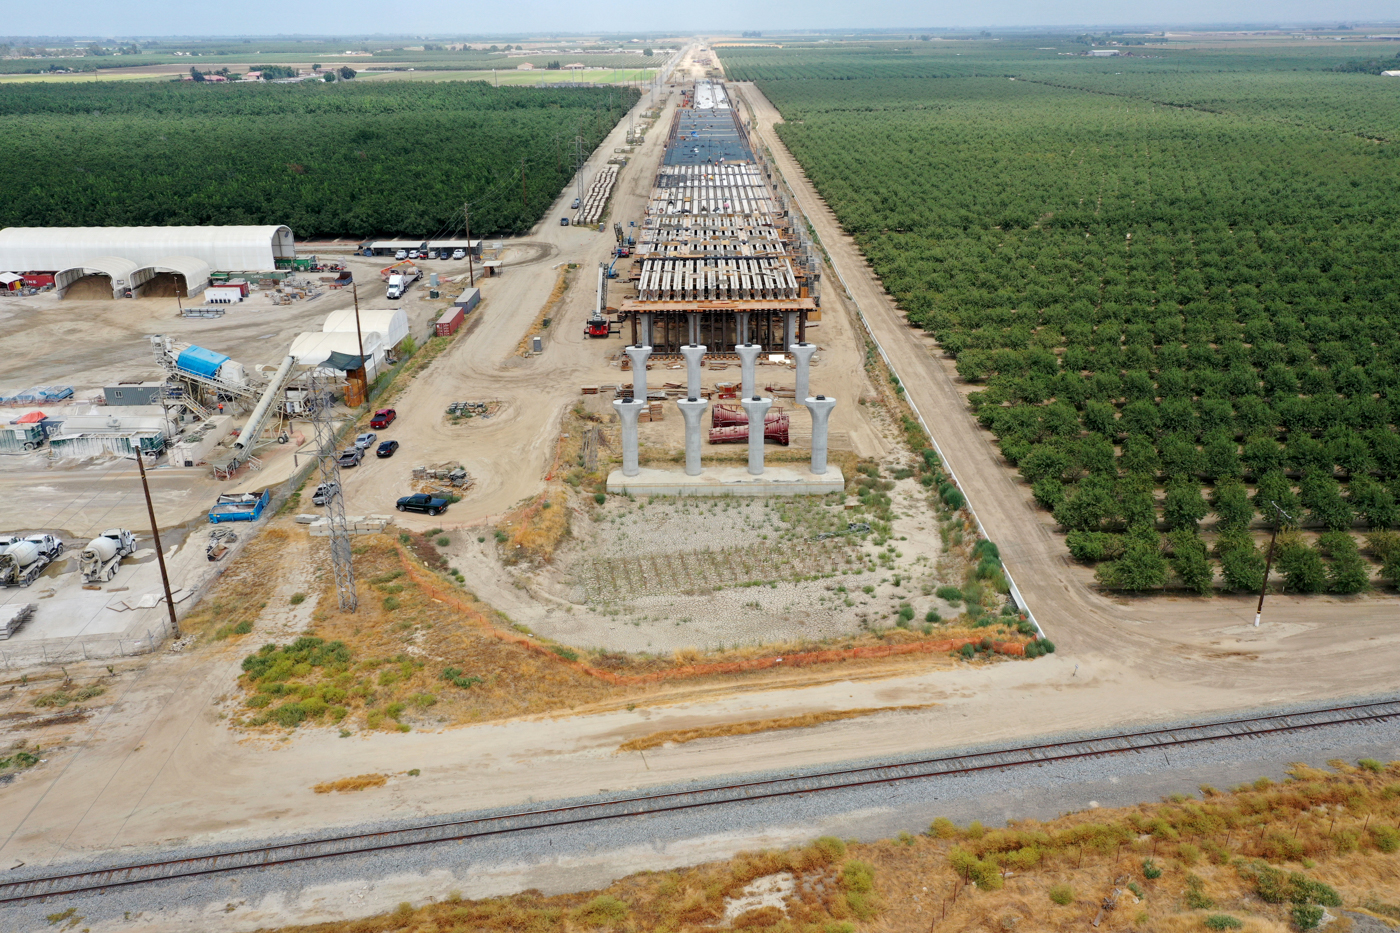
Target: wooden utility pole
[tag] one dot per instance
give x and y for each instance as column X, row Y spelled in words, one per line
column 155, row 536
column 471, row 270
column 524, row 194
column 1279, row 514
column 359, row 338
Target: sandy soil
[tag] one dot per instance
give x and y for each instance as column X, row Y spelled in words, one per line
column 158, row 766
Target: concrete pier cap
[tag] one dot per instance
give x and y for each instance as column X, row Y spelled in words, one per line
column 638, row 356
column 627, row 412
column 748, row 358
column 820, row 407
column 802, row 353
column 694, row 354
column 693, row 410
column 756, row 408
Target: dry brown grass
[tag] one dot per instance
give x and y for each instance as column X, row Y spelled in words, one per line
column 534, row 531
column 749, row 727
column 918, row 889
column 243, row 590
column 350, row 784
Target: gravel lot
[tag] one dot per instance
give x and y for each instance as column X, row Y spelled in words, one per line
column 579, row 858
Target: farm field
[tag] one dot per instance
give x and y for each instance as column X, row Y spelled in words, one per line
column 1168, row 281
column 347, row 159
column 514, row 78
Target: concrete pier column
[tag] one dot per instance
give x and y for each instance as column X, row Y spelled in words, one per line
column 694, row 355
column 693, row 327
column 627, row 412
column 748, row 356
column 646, row 330
column 789, row 330
column 639, row 355
column 802, row 352
column 820, row 407
column 693, row 410
column 757, row 408
column 743, row 331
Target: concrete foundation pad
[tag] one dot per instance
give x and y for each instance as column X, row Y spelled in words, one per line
column 782, row 480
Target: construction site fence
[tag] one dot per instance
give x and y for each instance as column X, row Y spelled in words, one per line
column 1014, row 591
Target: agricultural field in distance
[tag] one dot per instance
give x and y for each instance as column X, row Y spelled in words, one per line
column 1169, row 281
column 345, row 159
column 513, row 77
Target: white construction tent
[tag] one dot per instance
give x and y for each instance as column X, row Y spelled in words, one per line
column 130, row 257
column 391, row 324
column 313, row 349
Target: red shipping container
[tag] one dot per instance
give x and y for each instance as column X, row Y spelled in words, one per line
column 38, row 279
column 449, row 322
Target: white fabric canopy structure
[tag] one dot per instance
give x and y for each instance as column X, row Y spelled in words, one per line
column 228, row 249
column 390, row 324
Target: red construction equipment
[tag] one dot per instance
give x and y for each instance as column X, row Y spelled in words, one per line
column 772, row 431
column 724, row 416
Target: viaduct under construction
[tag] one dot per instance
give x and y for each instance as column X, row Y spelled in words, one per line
column 723, row 269
column 720, row 260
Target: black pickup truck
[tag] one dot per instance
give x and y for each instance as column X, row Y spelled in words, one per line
column 422, row 502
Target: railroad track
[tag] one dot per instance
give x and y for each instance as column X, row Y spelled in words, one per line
column 1148, row 740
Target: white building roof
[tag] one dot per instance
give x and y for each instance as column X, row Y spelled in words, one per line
column 390, row 324
column 225, row 248
column 312, row 349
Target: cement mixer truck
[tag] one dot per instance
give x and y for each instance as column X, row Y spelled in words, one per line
column 22, row 561
column 100, row 559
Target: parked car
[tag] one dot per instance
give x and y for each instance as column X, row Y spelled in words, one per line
column 575, row 204
column 422, row 502
column 386, row 449
column 323, row 493
column 351, row 456
column 459, row 254
column 366, row 441
column 383, row 418
column 563, row 221
column 401, row 254
column 432, row 254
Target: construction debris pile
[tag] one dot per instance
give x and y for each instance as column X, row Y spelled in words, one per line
column 460, row 410
column 450, row 478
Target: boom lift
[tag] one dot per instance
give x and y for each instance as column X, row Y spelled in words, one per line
column 598, row 325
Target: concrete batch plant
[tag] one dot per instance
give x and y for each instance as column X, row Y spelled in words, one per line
column 131, row 261
column 722, row 270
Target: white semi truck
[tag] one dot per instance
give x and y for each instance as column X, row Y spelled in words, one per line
column 399, row 282
column 100, row 559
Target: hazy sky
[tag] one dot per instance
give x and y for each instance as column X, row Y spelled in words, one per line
column 180, row 17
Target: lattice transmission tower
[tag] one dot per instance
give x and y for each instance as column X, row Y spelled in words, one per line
column 341, row 557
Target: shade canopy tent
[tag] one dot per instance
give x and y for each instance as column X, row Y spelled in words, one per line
column 319, row 349
column 229, row 249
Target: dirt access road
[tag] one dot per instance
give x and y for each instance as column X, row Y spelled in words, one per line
column 1350, row 644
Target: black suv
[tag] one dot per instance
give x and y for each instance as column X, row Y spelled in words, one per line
column 422, row 502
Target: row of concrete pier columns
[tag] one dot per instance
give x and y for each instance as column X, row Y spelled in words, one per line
column 693, row 406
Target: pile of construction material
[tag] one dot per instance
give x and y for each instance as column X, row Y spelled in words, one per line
column 474, row 409
column 12, row 617
column 355, row 524
column 597, row 197
column 730, row 425
column 442, row 477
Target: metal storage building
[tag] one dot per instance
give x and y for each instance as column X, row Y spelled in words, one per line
column 131, row 256
column 313, row 349
column 112, row 429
